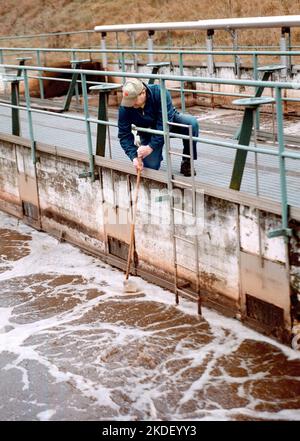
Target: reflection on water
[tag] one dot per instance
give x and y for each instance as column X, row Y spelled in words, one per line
column 74, row 347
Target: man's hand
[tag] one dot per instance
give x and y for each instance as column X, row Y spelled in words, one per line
column 144, row 150
column 138, row 163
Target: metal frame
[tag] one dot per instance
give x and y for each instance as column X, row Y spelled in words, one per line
column 278, row 86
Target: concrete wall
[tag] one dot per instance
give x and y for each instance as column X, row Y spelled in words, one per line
column 242, row 272
column 222, row 71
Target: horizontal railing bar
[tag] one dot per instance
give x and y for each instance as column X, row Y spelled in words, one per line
column 153, row 51
column 223, row 143
column 67, row 80
column 209, row 80
column 61, row 115
column 223, row 23
column 286, row 154
column 209, row 92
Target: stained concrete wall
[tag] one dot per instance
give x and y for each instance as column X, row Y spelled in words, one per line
column 223, row 70
column 242, row 272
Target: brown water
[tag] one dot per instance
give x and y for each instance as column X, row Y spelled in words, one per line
column 74, row 347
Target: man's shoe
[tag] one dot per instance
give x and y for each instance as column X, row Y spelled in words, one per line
column 185, row 168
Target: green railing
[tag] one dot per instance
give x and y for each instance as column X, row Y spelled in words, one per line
column 282, row 154
column 180, row 55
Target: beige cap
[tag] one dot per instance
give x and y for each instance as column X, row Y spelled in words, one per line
column 131, row 90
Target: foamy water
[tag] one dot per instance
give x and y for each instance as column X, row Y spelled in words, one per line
column 73, row 346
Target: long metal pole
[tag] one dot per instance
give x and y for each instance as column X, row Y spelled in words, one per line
column 41, row 83
column 282, row 170
column 30, row 123
column 181, row 83
column 169, row 173
column 88, row 127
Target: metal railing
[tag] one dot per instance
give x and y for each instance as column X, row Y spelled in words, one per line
column 180, row 55
column 281, row 153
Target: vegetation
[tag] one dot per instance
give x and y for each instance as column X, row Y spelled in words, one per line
column 19, row 17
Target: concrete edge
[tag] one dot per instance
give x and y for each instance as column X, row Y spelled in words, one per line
column 159, row 176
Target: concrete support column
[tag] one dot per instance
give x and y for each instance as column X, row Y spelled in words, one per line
column 209, row 47
column 150, row 47
column 237, row 58
column 133, row 45
column 285, row 43
column 103, row 46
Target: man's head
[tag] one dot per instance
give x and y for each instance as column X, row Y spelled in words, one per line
column 134, row 93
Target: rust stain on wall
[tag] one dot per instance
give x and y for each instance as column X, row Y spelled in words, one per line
column 70, row 223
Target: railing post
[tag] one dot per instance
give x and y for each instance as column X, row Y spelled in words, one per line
column 284, row 231
column 15, row 110
column 182, row 99
column 28, row 106
column 135, row 57
column 165, row 126
column 255, row 78
column 166, row 130
column 209, row 47
column 91, row 173
column 103, row 47
column 285, row 46
column 41, row 84
column 74, row 65
column 150, row 47
column 237, row 59
column 123, row 66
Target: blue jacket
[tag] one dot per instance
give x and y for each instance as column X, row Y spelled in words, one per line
column 149, row 117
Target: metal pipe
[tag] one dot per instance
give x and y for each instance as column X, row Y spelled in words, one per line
column 41, row 83
column 150, row 47
column 103, row 47
column 135, row 57
column 227, row 23
column 88, row 127
column 250, row 83
column 181, row 83
column 28, row 107
column 209, row 46
column 282, row 170
column 169, row 171
column 283, row 58
column 157, row 51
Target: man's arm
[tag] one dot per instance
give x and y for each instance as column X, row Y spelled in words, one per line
column 125, row 135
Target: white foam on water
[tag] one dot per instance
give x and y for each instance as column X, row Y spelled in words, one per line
column 118, row 368
column 5, row 314
column 46, row 415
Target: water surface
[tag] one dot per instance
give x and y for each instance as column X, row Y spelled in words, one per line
column 73, row 346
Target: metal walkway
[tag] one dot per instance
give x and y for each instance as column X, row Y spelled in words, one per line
column 214, row 164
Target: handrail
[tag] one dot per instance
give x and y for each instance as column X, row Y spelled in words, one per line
column 153, row 51
column 277, row 86
column 210, row 80
column 226, row 23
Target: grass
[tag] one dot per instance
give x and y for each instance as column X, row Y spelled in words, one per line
column 19, row 17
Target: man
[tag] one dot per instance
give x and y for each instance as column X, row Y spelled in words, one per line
column 141, row 106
